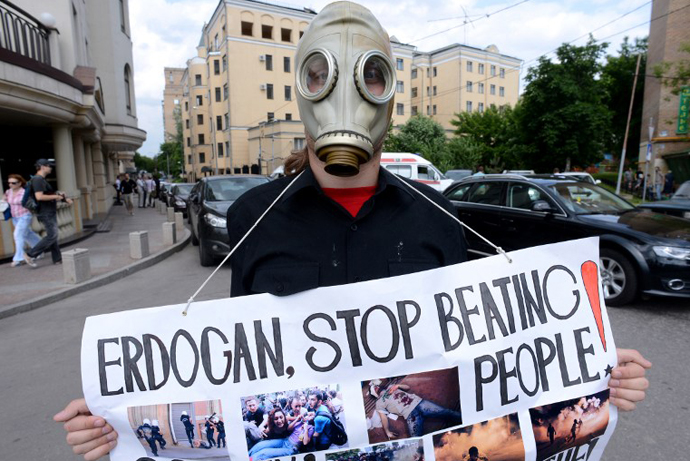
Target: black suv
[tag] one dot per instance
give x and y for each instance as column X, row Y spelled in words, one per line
column 640, row 251
column 207, row 206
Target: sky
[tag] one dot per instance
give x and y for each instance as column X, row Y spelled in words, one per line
column 165, row 33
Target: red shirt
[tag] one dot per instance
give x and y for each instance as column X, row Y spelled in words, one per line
column 351, row 199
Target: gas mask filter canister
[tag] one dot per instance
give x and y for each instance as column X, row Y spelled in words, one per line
column 345, row 85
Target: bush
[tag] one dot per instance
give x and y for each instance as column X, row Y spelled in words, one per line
column 609, row 178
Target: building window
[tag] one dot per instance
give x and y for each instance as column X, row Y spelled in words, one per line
column 227, row 148
column 202, row 157
column 428, row 91
column 427, row 71
column 286, row 35
column 186, row 106
column 413, row 74
column 413, row 110
column 219, row 122
column 216, row 67
column 298, row 143
column 197, row 79
column 189, row 157
column 414, row 92
column 186, row 123
column 400, row 109
column 288, row 117
column 434, row 90
column 469, row 86
column 428, row 110
column 269, row 91
column 199, row 119
column 492, row 71
column 227, row 120
column 270, row 116
column 247, row 28
column 225, row 92
column 215, row 42
column 480, row 107
column 269, row 62
column 201, row 139
column 492, row 89
column 434, row 111
column 288, row 93
column 267, row 32
column 400, row 87
column 286, row 64
column 502, row 73
column 501, row 91
column 220, row 150
column 480, row 68
column 399, row 64
column 301, row 33
column 225, row 63
column 481, row 88
column 128, row 89
column 218, row 94
column 469, row 66
column 435, row 72
column 469, row 106
column 199, row 100
column 123, row 16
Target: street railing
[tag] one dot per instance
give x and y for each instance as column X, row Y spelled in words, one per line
column 23, row 34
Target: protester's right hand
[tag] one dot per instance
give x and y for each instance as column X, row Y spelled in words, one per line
column 391, row 434
column 88, row 435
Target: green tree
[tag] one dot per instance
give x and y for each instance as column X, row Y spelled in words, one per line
column 617, row 77
column 144, row 163
column 420, row 135
column 563, row 115
column 675, row 75
column 172, row 152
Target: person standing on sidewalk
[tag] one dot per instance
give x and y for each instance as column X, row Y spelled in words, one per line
column 127, row 187
column 141, row 190
column 150, row 190
column 21, row 218
column 47, row 199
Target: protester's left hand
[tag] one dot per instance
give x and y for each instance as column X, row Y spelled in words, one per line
column 628, row 382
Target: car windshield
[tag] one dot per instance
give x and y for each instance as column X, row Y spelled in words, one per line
column 586, row 198
column 230, row 188
column 184, row 189
column 582, row 177
column 683, row 191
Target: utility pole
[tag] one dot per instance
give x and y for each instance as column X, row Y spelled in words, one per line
column 627, row 127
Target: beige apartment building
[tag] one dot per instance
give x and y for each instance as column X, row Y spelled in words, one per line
column 67, row 93
column 172, row 101
column 238, row 104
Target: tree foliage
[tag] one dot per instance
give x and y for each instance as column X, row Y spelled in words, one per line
column 675, row 75
column 172, row 152
column 420, row 135
column 563, row 114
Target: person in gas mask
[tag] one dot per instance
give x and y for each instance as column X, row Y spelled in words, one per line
column 145, row 431
column 348, row 220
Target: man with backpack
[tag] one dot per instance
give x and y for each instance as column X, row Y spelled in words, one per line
column 327, row 429
column 46, row 198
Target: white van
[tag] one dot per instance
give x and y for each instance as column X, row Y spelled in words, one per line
column 415, row 167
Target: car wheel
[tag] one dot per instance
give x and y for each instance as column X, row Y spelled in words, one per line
column 195, row 239
column 618, row 278
column 205, row 259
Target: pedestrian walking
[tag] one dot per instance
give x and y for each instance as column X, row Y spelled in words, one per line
column 668, row 183
column 118, row 180
column 46, row 198
column 21, row 218
column 127, row 187
column 141, row 190
column 658, row 182
column 151, row 190
column 628, row 175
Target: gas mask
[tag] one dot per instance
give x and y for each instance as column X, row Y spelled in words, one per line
column 345, row 85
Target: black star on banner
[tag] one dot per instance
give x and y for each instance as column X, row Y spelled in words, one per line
column 608, row 370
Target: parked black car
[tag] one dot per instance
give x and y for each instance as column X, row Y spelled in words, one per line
column 177, row 196
column 208, row 203
column 640, row 251
column 678, row 205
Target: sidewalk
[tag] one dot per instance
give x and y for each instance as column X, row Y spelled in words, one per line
column 24, row 288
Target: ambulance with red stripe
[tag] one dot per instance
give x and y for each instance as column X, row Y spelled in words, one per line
column 415, row 167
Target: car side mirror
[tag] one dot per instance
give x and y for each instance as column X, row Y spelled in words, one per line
column 597, row 181
column 543, row 206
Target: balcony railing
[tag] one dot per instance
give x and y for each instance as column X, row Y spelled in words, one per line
column 23, row 34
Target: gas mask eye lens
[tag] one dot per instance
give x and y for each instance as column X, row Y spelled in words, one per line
column 317, row 75
column 374, row 76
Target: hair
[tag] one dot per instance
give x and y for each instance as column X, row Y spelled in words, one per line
column 272, row 429
column 250, row 398
column 333, row 393
column 18, row 177
column 473, row 451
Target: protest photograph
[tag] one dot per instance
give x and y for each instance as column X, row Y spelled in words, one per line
column 572, row 425
column 190, row 430
column 498, row 439
column 404, row 450
column 295, row 421
column 411, row 405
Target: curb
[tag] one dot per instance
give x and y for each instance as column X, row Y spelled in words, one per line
column 96, row 282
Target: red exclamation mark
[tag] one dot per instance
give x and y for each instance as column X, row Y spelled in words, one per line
column 590, row 276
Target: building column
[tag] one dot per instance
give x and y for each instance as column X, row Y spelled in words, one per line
column 82, row 180
column 100, row 181
column 64, row 159
column 88, row 159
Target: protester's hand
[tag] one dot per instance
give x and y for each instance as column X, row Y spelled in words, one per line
column 69, row 201
column 88, row 435
column 391, row 434
column 628, row 382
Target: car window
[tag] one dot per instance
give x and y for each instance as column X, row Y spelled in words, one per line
column 586, row 198
column 424, row 173
column 229, row 189
column 487, row 193
column 459, row 193
column 401, row 170
column 523, row 196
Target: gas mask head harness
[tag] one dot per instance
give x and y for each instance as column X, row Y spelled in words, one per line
column 345, row 85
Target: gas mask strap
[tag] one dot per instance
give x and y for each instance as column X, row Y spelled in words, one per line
column 191, row 299
column 498, row 249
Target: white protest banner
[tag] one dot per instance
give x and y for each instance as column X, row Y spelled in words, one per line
column 506, row 361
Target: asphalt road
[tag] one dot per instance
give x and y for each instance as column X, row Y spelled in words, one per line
column 40, row 373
